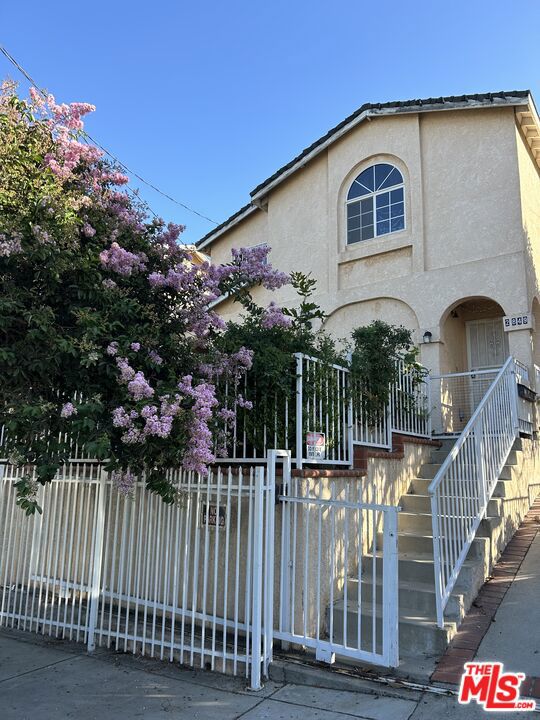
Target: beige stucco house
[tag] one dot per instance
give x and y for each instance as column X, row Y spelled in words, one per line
column 424, row 213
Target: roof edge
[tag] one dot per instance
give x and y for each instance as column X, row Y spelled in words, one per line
column 368, row 110
column 461, row 102
column 226, row 225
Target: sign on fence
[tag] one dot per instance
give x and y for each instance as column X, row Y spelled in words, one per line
column 315, row 445
column 212, row 514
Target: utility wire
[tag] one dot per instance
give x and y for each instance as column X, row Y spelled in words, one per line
column 103, row 149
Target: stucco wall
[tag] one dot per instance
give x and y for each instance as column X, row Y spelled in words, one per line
column 464, row 233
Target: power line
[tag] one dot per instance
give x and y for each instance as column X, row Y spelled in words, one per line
column 104, row 149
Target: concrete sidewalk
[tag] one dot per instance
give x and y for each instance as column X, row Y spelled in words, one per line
column 514, row 636
column 47, row 679
column 504, row 622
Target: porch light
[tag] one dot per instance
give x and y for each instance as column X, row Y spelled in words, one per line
column 427, row 337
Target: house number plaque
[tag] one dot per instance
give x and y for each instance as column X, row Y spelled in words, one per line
column 523, row 321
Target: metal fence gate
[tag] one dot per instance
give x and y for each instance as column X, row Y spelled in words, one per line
column 188, row 582
column 337, row 569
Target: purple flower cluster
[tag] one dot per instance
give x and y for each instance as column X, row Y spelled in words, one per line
column 228, row 415
column 139, row 387
column 88, row 230
column 155, row 358
column 127, row 373
column 10, row 246
column 158, row 422
column 112, row 348
column 68, row 410
column 253, row 263
column 179, row 277
column 41, row 235
column 243, row 403
column 274, row 317
column 166, row 242
column 198, row 453
column 121, row 418
column 124, row 481
column 232, row 366
column 122, row 261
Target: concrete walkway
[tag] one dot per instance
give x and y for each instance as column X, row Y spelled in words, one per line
column 47, row 679
column 514, row 636
column 504, row 622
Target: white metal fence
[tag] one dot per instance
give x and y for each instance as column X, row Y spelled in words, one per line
column 211, row 580
column 317, row 398
column 338, row 571
column 323, row 405
column 410, row 403
column 455, row 397
column 407, row 411
column 526, row 404
column 465, row 482
column 187, row 582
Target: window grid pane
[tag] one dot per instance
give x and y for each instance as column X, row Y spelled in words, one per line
column 360, row 221
column 380, row 213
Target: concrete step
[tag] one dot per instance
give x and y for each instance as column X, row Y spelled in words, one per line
column 419, row 486
column 422, row 504
column 420, row 523
column 413, row 596
column 412, row 543
column 503, row 488
column 419, row 568
column 447, row 443
column 429, row 470
column 438, row 456
column 417, row 636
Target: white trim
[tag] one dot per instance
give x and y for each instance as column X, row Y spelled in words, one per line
column 367, row 114
column 226, row 227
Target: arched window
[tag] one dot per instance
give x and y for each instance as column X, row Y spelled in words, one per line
column 375, row 204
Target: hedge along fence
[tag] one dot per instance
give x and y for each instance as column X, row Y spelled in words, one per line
column 325, row 398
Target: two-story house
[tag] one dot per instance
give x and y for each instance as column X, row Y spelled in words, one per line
column 424, row 213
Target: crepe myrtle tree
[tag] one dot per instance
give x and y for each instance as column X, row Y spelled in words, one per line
column 106, row 334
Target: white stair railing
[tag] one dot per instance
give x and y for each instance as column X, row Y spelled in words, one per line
column 464, row 484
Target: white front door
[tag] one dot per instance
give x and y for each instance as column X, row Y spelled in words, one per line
column 487, row 344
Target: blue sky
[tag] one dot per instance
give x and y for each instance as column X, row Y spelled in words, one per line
column 208, row 99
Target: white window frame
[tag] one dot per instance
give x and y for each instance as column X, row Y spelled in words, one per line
column 373, row 196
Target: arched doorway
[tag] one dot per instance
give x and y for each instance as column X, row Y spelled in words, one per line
column 473, row 336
